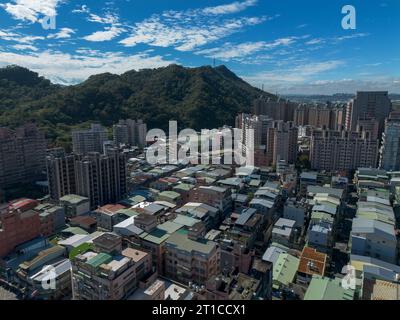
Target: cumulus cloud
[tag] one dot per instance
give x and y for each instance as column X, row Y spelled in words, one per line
column 238, row 51
column 64, row 33
column 31, row 10
column 189, row 29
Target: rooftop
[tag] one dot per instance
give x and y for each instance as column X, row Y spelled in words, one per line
column 74, row 199
column 181, row 241
column 323, row 288
column 312, row 262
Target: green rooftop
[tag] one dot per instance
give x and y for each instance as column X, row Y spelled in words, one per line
column 285, row 270
column 84, row 247
column 99, row 259
column 180, row 240
column 75, row 230
column 184, row 187
column 323, row 288
column 73, row 199
column 171, row 195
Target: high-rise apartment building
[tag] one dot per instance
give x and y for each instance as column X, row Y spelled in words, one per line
column 91, row 140
column 276, row 109
column 390, row 150
column 342, row 150
column 320, row 116
column 130, row 132
column 282, row 142
column 99, row 177
column 22, row 155
column 366, row 105
column 60, row 173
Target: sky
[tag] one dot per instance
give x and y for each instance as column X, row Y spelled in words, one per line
column 287, row 46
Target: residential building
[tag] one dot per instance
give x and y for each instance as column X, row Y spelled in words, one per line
column 282, row 142
column 295, row 211
column 102, row 178
column 311, row 263
column 368, row 104
column 342, row 150
column 284, row 271
column 22, row 155
column 75, row 205
column 104, row 276
column 52, row 218
column 130, row 132
column 91, row 140
column 390, row 149
column 191, row 258
column 324, row 288
column 373, row 238
column 19, row 223
column 61, row 173
column 283, row 232
column 217, row 197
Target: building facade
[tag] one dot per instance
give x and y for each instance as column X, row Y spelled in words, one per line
column 342, row 150
column 390, row 150
column 22, row 155
column 91, row 140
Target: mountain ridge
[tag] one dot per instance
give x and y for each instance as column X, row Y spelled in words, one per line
column 201, row 97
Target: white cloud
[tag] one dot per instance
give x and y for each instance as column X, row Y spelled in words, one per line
column 64, row 33
column 109, row 18
column 106, row 35
column 352, row 36
column 67, row 69
column 186, row 33
column 232, row 51
column 7, row 35
column 82, row 9
column 229, row 8
column 296, row 74
column 315, row 41
column 28, row 39
column 24, row 47
column 31, row 10
column 114, row 29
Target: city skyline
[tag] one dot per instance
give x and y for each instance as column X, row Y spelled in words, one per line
column 301, row 50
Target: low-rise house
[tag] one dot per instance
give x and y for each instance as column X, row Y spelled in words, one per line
column 189, row 257
column 284, row 271
column 311, row 263
column 207, row 214
column 184, row 190
column 170, row 196
column 373, row 238
column 283, row 232
column 324, row 288
column 75, row 205
column 295, row 211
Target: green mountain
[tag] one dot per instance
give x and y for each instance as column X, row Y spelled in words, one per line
column 203, row 97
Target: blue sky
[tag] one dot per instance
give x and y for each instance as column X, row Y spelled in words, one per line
column 290, row 46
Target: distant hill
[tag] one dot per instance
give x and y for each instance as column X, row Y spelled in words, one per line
column 203, row 97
